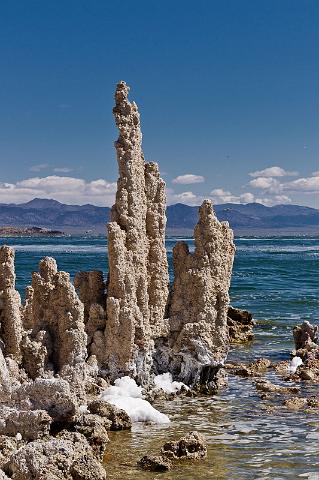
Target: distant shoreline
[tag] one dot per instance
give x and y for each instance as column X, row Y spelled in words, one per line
column 10, row 231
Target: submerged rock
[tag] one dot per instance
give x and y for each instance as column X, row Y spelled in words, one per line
column 190, row 447
column 154, row 463
column 268, row 387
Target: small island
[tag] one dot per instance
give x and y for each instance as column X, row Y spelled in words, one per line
column 29, row 232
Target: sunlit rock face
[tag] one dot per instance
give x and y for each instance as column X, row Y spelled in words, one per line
column 10, row 306
column 198, row 341
column 138, row 270
column 55, row 316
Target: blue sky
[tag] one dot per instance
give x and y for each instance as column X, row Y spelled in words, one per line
column 227, row 90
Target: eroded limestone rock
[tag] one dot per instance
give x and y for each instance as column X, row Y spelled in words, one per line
column 5, row 380
column 306, row 336
column 69, row 457
column 10, row 305
column 240, row 325
column 119, row 419
column 55, row 316
column 50, row 394
column 30, row 424
column 138, row 272
column 198, row 340
column 91, row 290
column 190, row 447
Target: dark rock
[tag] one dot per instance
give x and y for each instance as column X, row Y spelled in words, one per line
column 191, row 447
column 240, row 325
column 154, row 463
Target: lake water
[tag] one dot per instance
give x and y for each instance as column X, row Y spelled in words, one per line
column 277, row 279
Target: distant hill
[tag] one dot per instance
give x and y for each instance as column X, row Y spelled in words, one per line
column 252, row 218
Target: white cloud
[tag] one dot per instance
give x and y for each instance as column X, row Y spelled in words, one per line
column 306, row 185
column 273, row 172
column 189, row 198
column 269, row 184
column 221, row 196
column 188, row 179
column 64, row 189
column 39, row 167
column 315, row 174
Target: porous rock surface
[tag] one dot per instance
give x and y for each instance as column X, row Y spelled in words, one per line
column 307, row 348
column 10, row 305
column 138, row 271
column 190, row 447
column 198, row 340
column 240, row 325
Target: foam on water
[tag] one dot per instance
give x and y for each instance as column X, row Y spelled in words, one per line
column 165, row 383
column 128, row 396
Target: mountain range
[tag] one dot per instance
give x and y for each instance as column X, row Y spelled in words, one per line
column 251, row 218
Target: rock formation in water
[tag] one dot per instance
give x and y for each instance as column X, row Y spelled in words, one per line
column 307, row 349
column 138, row 272
column 10, row 305
column 60, row 349
column 240, row 325
column 198, row 340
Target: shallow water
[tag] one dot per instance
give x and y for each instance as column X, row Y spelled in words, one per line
column 278, row 280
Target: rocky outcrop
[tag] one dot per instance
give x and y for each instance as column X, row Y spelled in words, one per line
column 60, row 350
column 306, row 337
column 198, row 339
column 30, row 424
column 5, row 380
column 119, row 419
column 55, row 316
column 10, row 305
column 68, row 457
column 307, row 349
column 240, row 325
column 91, row 289
column 138, row 272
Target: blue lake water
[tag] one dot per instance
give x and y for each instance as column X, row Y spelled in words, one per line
column 277, row 279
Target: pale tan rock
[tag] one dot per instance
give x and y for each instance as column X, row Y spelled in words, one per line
column 138, row 272
column 5, row 380
column 56, row 316
column 30, row 424
column 69, row 457
column 10, row 305
column 50, row 394
column 306, row 336
column 190, row 447
column 198, row 341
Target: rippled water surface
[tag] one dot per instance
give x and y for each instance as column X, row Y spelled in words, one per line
column 278, row 280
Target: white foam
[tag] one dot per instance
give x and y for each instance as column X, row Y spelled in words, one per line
column 127, row 395
column 165, row 383
column 294, row 364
